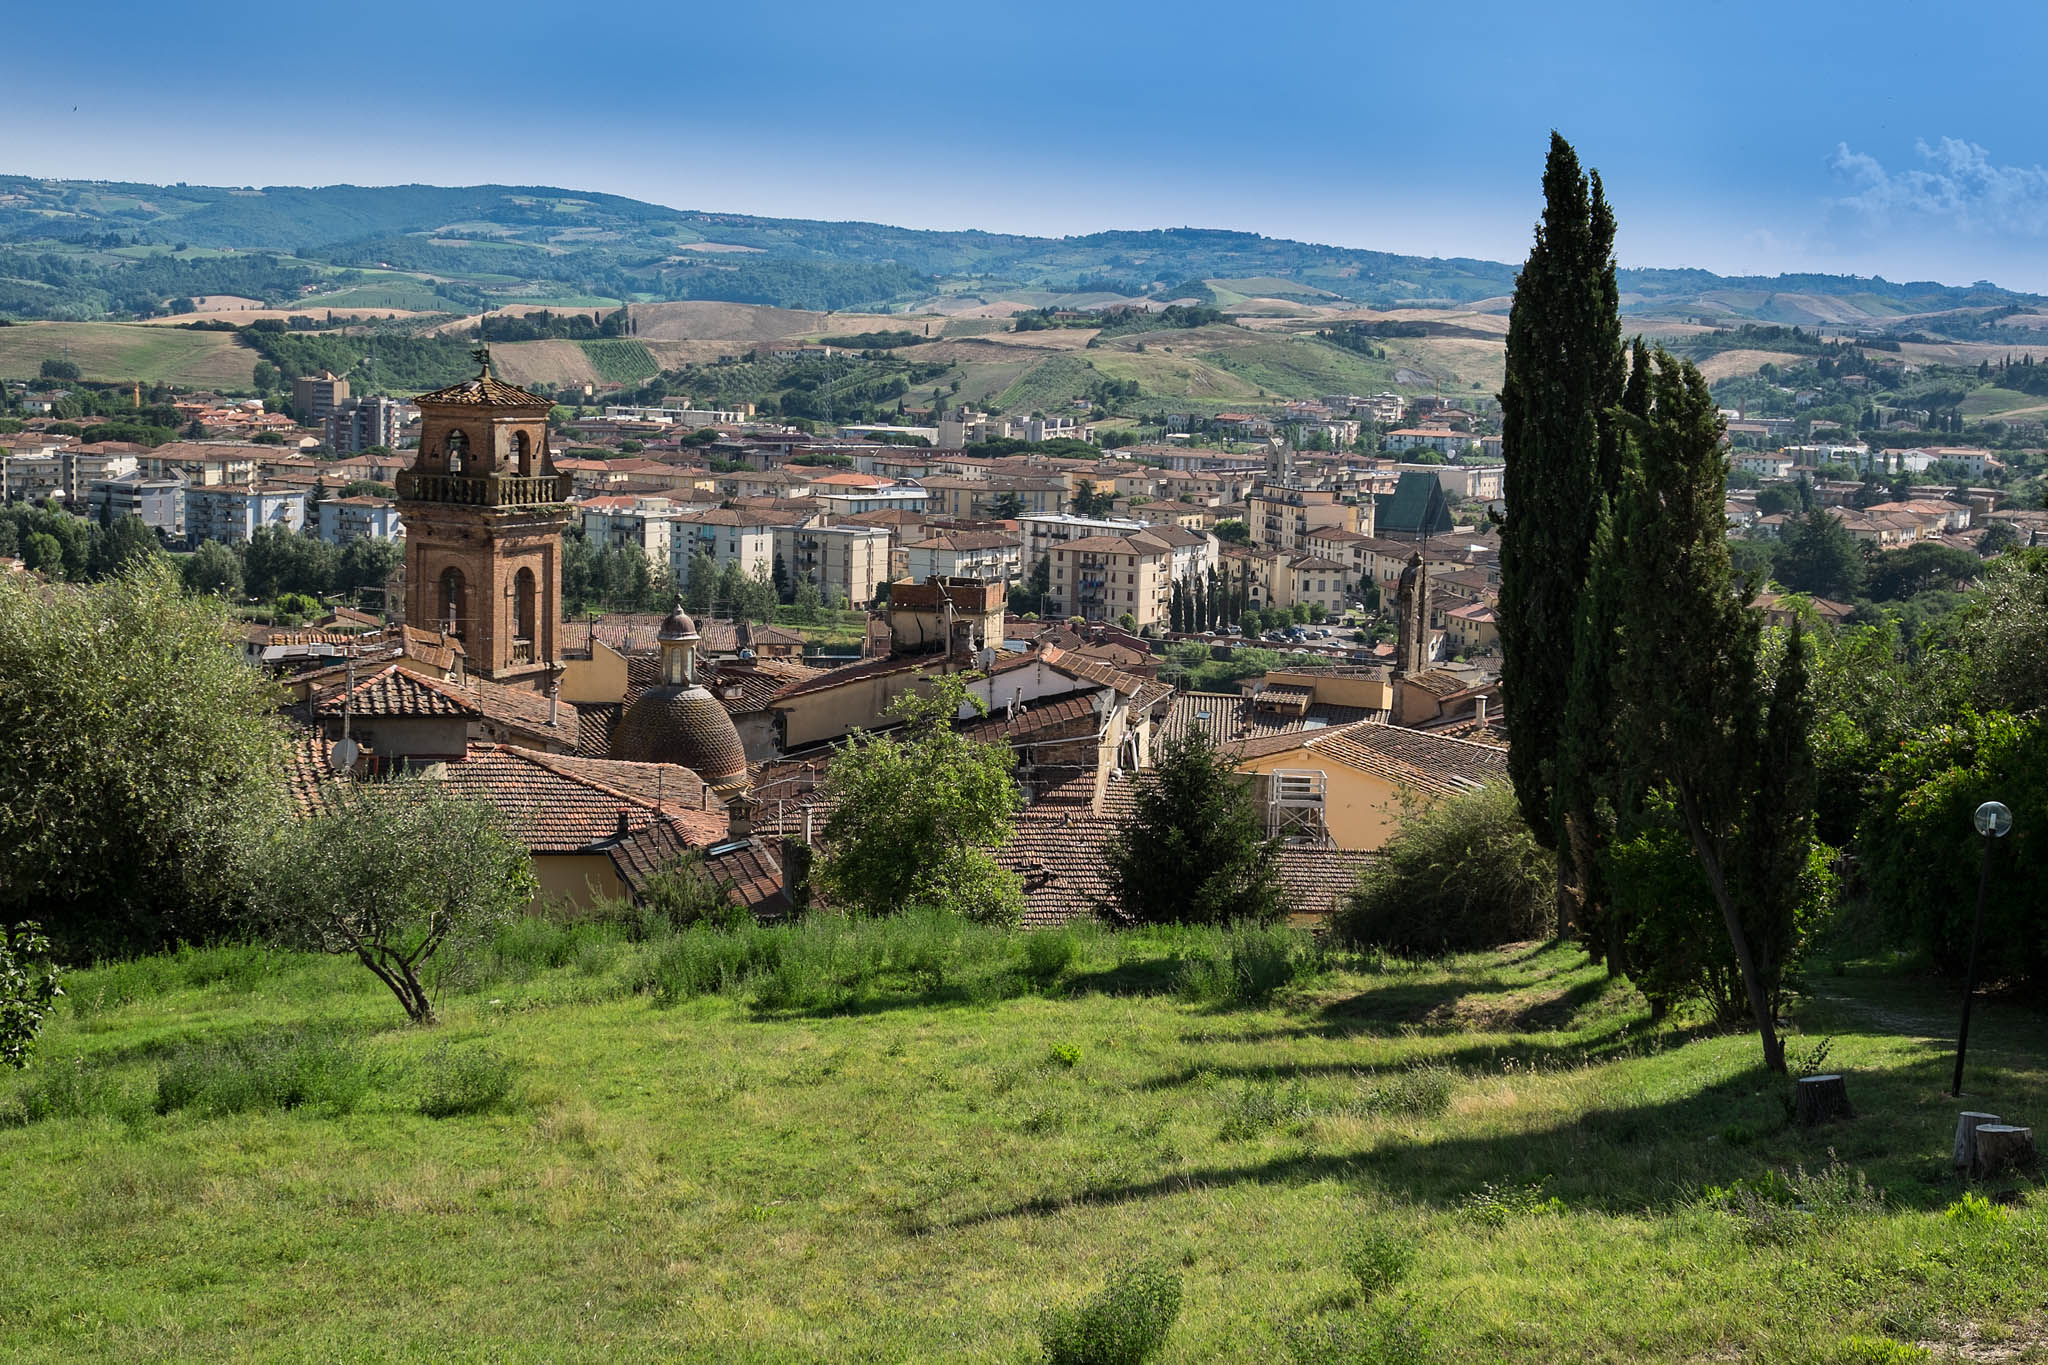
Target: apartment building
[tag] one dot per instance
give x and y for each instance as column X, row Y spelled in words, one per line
column 1103, row 577
column 850, row 562
column 315, row 397
column 645, row 523
column 1281, row 517
column 233, row 514
column 990, row 556
column 159, row 502
column 357, row 424
column 342, row 520
column 726, row 535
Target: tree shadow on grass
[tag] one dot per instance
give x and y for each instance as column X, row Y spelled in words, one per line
column 1618, row 1160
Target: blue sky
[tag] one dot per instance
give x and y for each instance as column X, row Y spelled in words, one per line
column 1874, row 138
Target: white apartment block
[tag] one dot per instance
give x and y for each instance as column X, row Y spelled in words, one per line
column 728, row 535
column 991, row 556
column 233, row 514
column 646, row 524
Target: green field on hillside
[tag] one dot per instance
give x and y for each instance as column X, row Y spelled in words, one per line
column 113, row 352
column 1993, row 401
column 909, row 1142
column 1301, row 368
column 620, row 362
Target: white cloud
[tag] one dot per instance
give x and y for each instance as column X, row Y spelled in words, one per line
column 1958, row 185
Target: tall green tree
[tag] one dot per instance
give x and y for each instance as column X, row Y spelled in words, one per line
column 918, row 813
column 1564, row 372
column 214, row 568
column 1697, row 716
column 1195, row 850
column 122, row 545
column 142, row 760
column 1821, row 557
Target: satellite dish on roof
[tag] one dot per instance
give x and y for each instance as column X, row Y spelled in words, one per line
column 342, row 756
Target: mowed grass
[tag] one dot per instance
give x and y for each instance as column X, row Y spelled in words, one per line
column 115, row 351
column 911, row 1143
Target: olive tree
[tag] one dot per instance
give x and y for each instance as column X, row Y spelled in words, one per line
column 392, row 872
column 140, row 759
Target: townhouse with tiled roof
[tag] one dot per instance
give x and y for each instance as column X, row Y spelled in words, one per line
column 1367, row 777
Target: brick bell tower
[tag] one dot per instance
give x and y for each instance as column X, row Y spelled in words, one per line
column 484, row 509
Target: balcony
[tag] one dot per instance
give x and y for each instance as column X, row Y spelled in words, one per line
column 482, row 490
column 522, row 651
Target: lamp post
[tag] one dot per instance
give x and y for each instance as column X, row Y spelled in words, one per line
column 1993, row 821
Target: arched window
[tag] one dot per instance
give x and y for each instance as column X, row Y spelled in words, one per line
column 457, row 450
column 522, row 454
column 452, row 602
column 524, row 601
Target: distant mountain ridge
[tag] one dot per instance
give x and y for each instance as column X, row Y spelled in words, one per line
column 87, row 249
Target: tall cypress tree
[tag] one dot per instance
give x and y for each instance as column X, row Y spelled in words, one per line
column 1589, row 794
column 1564, row 373
column 1695, row 715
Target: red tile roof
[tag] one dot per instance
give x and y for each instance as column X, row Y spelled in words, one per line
column 554, row 809
column 396, row 691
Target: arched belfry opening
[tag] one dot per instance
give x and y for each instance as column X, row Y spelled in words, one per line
column 452, row 610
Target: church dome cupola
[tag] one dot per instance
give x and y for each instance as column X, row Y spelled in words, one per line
column 680, row 721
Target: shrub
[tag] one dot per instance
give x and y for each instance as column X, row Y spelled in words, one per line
column 28, row 991
column 1263, row 1105
column 1123, row 1325
column 1383, row 1337
column 267, row 1071
column 1066, row 1054
column 1049, row 952
column 1921, row 855
column 1678, row 943
column 465, row 1082
column 1247, row 965
column 1776, row 1208
column 684, row 894
column 1975, row 1208
column 1424, row 1091
column 1378, row 1260
column 63, row 1090
column 1493, row 1205
column 1463, row 873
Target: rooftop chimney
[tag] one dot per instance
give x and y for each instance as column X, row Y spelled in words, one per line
column 741, row 812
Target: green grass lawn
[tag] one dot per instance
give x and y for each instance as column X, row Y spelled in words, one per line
column 910, row 1143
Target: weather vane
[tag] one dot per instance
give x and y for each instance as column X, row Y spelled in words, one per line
column 482, row 356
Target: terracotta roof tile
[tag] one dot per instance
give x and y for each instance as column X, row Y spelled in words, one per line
column 485, row 391
column 1230, row 718
column 553, row 808
column 395, row 691
column 1426, row 759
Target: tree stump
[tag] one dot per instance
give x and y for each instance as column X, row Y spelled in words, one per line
column 1821, row 1098
column 1967, row 1124
column 2001, row 1147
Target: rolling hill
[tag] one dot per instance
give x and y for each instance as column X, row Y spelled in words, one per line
column 89, row 250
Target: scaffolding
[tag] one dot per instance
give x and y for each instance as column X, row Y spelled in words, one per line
column 1295, row 806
